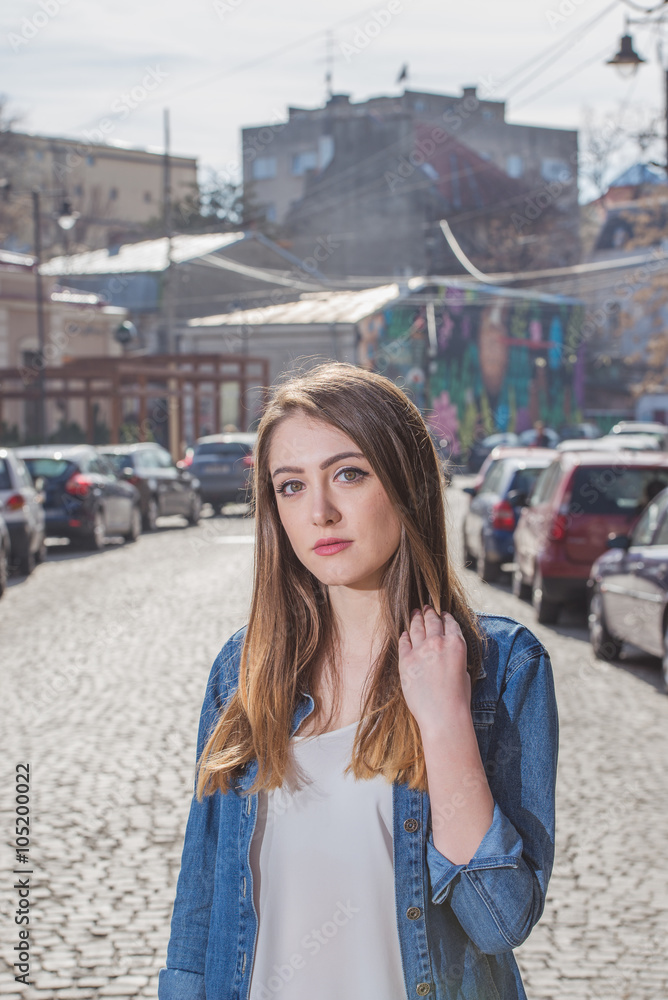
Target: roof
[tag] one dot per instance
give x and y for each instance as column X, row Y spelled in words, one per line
column 349, row 307
column 315, row 307
column 639, row 173
column 140, row 258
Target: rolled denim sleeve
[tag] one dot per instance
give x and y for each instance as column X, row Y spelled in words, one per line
column 183, row 977
column 499, row 895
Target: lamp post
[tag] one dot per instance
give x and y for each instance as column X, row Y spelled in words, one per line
column 66, row 220
column 626, row 61
column 39, row 300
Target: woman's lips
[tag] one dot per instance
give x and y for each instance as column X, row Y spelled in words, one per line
column 332, row 548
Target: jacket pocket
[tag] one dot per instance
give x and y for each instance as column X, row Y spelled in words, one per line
column 483, row 721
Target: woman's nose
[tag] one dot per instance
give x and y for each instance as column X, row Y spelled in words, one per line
column 323, row 508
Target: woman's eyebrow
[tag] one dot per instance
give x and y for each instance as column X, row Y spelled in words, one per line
column 323, row 465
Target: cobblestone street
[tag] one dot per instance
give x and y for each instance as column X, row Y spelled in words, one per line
column 106, row 660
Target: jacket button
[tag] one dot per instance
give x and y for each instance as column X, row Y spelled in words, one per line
column 422, row 989
column 413, row 912
column 411, row 825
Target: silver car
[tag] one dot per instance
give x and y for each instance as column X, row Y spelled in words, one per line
column 22, row 508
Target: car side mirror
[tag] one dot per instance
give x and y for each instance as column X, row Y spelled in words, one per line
column 618, row 542
column 471, row 490
column 517, row 498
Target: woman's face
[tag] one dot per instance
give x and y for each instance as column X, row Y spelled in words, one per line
column 328, row 490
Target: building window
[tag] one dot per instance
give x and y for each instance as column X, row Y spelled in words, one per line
column 113, row 194
column 264, row 168
column 514, row 165
column 301, row 162
column 487, row 115
column 552, row 169
column 270, row 212
column 148, row 197
column 90, row 161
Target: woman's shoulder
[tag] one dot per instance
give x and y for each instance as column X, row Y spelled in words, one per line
column 225, row 670
column 507, row 646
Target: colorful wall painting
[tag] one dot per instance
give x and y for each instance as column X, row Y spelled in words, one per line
column 495, row 361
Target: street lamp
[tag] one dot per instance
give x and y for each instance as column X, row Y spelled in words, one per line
column 626, row 61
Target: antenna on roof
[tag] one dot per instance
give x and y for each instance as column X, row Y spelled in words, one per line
column 403, row 75
column 329, row 63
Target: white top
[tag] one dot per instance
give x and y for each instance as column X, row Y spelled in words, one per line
column 323, row 882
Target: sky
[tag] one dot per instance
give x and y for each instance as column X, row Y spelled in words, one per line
column 221, row 64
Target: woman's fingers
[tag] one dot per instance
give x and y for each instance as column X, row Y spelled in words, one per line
column 433, row 623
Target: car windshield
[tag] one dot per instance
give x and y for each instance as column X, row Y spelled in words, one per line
column 524, row 479
column 119, row 462
column 48, row 468
column 616, row 490
column 5, row 481
column 221, row 449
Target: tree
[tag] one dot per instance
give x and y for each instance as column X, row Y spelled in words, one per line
column 14, row 201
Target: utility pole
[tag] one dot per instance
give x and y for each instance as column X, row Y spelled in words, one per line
column 168, row 279
column 40, row 360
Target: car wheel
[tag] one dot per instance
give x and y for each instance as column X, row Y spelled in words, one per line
column 547, row 612
column 151, row 515
column 519, row 587
column 195, row 510
column 488, row 571
column 217, row 508
column 27, row 562
column 135, row 525
column 4, row 569
column 664, row 662
column 41, row 553
column 603, row 643
column 95, row 540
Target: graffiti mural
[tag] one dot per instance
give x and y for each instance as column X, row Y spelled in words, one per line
column 480, row 360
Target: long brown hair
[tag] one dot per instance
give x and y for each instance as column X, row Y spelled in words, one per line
column 291, row 626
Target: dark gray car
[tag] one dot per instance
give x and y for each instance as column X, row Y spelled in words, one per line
column 223, row 463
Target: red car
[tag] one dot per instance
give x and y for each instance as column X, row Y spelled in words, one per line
column 580, row 499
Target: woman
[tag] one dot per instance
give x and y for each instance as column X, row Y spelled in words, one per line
column 374, row 805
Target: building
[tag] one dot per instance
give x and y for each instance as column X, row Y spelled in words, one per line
column 111, row 190
column 76, row 325
column 376, row 176
column 474, row 358
column 162, row 283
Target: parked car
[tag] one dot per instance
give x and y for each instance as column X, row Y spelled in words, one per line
column 527, row 439
column 613, row 442
column 491, row 519
column 22, row 508
column 580, row 499
column 581, row 432
column 84, row 500
column 164, row 488
column 504, row 451
column 659, row 431
column 629, row 589
column 5, row 549
column 481, row 449
column 223, row 464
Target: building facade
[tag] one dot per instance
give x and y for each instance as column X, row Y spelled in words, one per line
column 376, row 176
column 111, row 190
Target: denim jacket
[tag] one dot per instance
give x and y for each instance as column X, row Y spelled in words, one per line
column 471, row 915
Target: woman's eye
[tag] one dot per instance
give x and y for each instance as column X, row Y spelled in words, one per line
column 351, row 475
